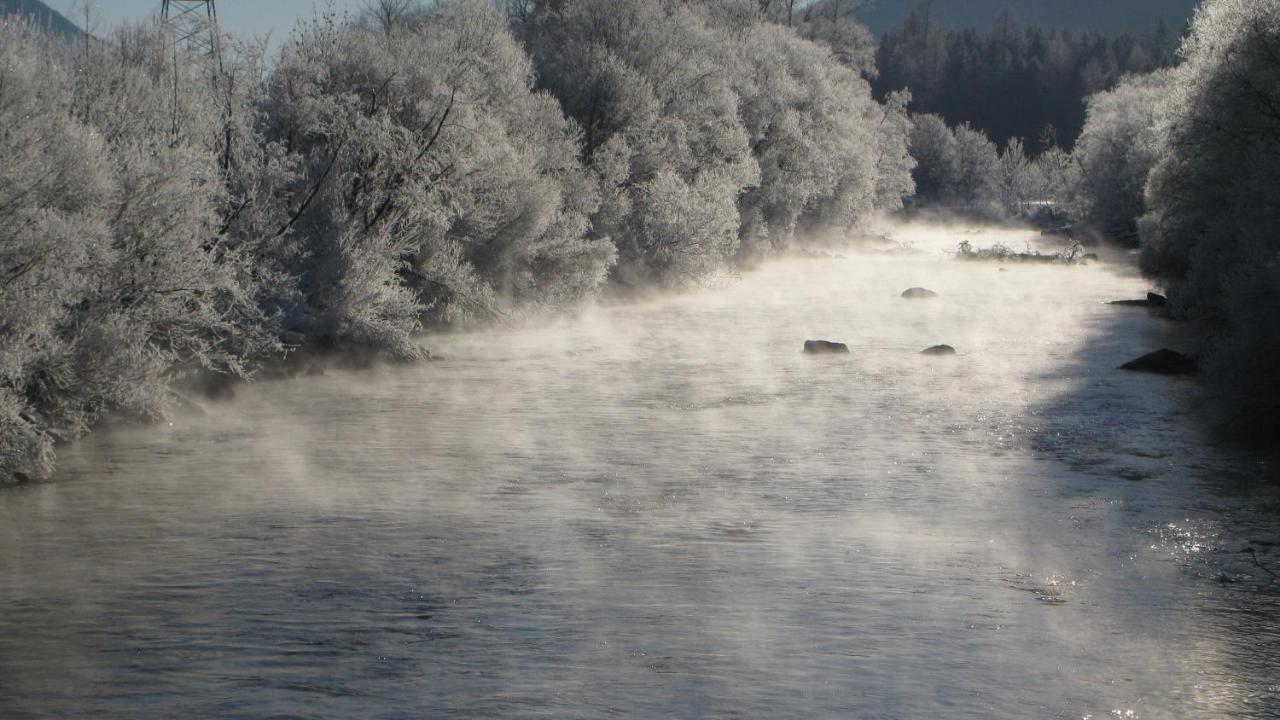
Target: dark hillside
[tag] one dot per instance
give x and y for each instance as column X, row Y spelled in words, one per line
column 45, row 16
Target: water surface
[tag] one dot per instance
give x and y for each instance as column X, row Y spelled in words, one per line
column 663, row 509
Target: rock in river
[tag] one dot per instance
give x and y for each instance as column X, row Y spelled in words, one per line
column 819, row 347
column 918, row 293
column 1154, row 300
column 939, row 350
column 1163, row 362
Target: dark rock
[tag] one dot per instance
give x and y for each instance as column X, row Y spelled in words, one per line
column 314, row 370
column 1153, row 300
column 1003, row 270
column 290, row 337
column 1163, row 362
column 918, row 293
column 819, row 347
column 939, row 350
column 1089, row 256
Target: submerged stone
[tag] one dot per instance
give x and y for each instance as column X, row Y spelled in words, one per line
column 918, row 293
column 820, row 347
column 939, row 350
column 1153, row 300
column 1163, row 362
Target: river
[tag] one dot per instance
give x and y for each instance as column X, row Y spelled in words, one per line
column 662, row 509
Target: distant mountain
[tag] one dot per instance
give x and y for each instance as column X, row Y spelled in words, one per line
column 46, row 17
column 1105, row 15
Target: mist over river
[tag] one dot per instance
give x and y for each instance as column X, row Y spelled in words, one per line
column 663, row 509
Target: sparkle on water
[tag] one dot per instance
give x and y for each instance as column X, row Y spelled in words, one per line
column 665, row 509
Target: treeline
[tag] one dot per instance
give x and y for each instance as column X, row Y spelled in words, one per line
column 1193, row 153
column 961, row 171
column 164, row 218
column 1013, row 81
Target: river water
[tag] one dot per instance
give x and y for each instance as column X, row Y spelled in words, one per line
column 662, row 509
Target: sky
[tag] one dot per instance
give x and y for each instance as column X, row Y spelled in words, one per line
column 243, row 18
column 253, row 18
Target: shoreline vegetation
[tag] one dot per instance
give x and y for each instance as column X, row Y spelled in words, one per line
column 168, row 219
column 168, row 225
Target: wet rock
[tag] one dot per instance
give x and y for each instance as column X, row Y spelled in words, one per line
column 918, row 293
column 939, row 350
column 1163, row 362
column 1089, row 256
column 1153, row 300
column 821, row 347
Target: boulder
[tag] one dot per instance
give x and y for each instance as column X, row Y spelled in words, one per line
column 939, row 350
column 918, row 293
column 820, row 347
column 1163, row 362
column 1153, row 300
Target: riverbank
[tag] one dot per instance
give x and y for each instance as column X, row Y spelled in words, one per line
column 303, row 357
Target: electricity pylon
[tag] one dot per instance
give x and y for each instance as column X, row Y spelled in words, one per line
column 193, row 24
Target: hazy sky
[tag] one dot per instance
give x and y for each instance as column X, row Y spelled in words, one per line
column 245, row 18
column 249, row 18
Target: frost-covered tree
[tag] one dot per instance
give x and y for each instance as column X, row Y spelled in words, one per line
column 1212, row 228
column 111, row 282
column 894, row 162
column 661, row 129
column 435, row 183
column 977, row 165
column 933, row 145
column 162, row 216
column 1118, row 147
column 1011, row 80
column 1018, row 177
column 828, row 153
column 766, row 131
